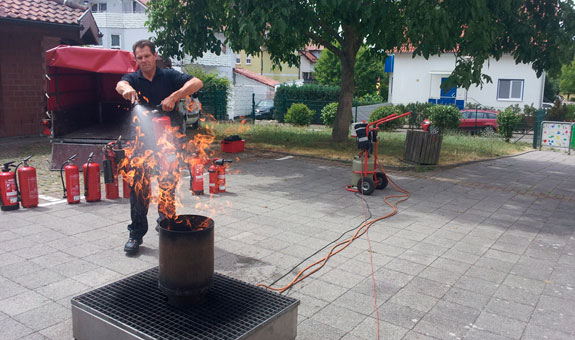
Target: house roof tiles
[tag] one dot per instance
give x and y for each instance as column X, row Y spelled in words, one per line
column 49, row 11
column 309, row 56
column 257, row 77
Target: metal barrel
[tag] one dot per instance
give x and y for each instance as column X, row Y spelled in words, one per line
column 186, row 267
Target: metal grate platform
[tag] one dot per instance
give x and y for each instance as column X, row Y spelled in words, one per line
column 134, row 308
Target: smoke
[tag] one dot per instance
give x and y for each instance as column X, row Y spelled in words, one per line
column 141, row 116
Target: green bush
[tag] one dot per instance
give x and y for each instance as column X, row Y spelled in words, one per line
column 384, row 111
column 368, row 99
column 507, row 120
column 328, row 114
column 299, row 114
column 419, row 111
column 214, row 94
column 314, row 96
column 444, row 117
column 570, row 116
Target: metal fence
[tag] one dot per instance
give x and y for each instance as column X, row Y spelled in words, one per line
column 214, row 102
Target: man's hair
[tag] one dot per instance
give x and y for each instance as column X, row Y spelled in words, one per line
column 143, row 43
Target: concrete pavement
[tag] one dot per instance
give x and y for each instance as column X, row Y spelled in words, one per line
column 483, row 251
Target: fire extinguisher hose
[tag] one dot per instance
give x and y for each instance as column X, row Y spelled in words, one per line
column 62, row 177
column 61, row 173
column 86, row 178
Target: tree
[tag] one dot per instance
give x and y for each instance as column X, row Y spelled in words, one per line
column 536, row 31
column 567, row 79
column 367, row 70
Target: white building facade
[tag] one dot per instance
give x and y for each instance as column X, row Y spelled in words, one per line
column 121, row 22
column 418, row 80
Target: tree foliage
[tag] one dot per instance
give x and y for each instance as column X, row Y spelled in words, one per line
column 567, row 79
column 368, row 69
column 538, row 32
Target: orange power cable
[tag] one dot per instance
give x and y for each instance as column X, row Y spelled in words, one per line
column 317, row 265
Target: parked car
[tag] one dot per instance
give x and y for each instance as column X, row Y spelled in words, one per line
column 265, row 109
column 473, row 120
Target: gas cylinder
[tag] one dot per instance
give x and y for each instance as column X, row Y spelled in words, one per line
column 72, row 186
column 197, row 178
column 358, row 166
column 28, row 184
column 212, row 170
column 8, row 189
column 91, row 180
column 161, row 124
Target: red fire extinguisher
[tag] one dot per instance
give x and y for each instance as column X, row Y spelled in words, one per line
column 27, row 184
column 8, row 189
column 197, row 177
column 72, row 187
column 161, row 125
column 221, row 170
column 91, row 180
column 212, row 170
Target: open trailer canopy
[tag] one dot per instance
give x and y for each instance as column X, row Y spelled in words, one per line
column 91, row 59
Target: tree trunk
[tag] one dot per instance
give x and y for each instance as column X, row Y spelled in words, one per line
column 343, row 115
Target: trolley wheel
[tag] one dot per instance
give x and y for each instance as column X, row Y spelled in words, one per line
column 381, row 180
column 365, row 185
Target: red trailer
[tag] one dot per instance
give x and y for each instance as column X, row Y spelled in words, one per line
column 84, row 109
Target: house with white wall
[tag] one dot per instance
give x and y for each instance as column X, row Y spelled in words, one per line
column 120, row 21
column 419, row 80
column 249, row 89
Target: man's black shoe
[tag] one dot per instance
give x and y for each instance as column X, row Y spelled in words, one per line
column 132, row 246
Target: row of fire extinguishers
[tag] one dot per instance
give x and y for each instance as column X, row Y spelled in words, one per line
column 113, row 156
column 71, row 173
column 18, row 186
column 217, row 175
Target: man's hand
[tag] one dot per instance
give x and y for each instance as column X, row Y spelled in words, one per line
column 169, row 103
column 127, row 91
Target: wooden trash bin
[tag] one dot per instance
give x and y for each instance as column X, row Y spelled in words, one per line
column 422, row 147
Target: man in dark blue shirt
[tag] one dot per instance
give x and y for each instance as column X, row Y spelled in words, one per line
column 152, row 86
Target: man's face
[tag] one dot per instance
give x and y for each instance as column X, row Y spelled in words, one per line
column 145, row 59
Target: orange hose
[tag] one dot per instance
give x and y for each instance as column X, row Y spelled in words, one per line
column 317, row 265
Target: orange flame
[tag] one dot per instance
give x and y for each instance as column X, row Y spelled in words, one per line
column 172, row 150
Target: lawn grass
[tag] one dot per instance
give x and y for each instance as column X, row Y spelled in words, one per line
column 316, row 141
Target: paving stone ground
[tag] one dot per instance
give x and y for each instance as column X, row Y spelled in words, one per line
column 483, row 251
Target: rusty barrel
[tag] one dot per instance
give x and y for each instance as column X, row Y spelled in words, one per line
column 186, row 258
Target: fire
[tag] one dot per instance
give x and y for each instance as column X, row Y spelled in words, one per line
column 161, row 152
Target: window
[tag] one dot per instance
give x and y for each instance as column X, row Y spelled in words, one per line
column 137, row 7
column 248, row 59
column 132, row 7
column 238, row 59
column 99, row 7
column 115, row 41
column 510, row 89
